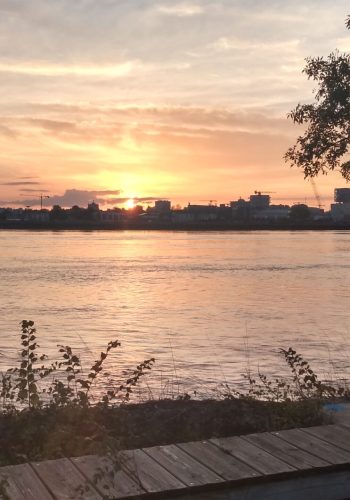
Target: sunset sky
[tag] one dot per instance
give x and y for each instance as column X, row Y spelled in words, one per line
column 186, row 100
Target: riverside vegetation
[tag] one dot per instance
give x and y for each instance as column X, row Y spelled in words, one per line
column 47, row 410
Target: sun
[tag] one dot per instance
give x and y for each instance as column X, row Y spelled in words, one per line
column 130, row 203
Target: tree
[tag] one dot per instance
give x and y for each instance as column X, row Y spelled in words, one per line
column 299, row 212
column 326, row 141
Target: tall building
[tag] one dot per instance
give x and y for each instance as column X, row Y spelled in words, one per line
column 340, row 211
column 342, row 195
column 162, row 206
column 259, row 201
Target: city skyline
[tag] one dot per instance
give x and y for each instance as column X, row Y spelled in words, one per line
column 147, row 100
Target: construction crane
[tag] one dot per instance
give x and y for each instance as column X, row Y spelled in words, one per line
column 264, row 192
column 211, row 202
column 316, row 193
column 41, row 200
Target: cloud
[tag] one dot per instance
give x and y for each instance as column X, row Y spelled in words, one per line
column 27, row 177
column 7, row 132
column 11, row 6
column 112, row 122
column 69, row 198
column 79, row 197
column 110, row 71
column 233, row 43
column 143, row 199
column 182, row 9
column 34, row 190
column 19, row 183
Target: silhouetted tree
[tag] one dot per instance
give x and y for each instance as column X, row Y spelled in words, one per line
column 326, row 141
column 299, row 212
column 58, row 213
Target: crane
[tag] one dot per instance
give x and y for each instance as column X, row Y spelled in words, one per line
column 264, row 192
column 41, row 200
column 316, row 193
column 211, row 202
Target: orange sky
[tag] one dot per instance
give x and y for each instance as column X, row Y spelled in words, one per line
column 183, row 100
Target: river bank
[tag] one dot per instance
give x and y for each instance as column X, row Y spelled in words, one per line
column 34, row 435
column 135, row 225
column 49, row 409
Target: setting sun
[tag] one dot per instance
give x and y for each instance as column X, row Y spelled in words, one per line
column 130, row 203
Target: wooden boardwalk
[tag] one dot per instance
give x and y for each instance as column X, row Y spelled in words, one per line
column 310, row 463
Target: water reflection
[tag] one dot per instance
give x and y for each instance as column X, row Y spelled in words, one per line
column 192, row 300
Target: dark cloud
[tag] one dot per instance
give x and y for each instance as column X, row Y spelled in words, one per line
column 116, row 201
column 34, row 191
column 20, row 183
column 79, row 197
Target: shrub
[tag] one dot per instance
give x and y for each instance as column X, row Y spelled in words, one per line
column 24, row 386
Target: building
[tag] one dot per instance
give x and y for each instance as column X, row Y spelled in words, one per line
column 162, row 207
column 340, row 211
column 201, row 213
column 14, row 214
column 41, row 216
column 111, row 217
column 342, row 195
column 259, row 201
column 93, row 210
column 273, row 213
column 240, row 209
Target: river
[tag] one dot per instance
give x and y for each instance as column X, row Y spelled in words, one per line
column 207, row 305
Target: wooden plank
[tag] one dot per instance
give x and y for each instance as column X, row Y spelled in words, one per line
column 315, row 446
column 107, row 477
column 334, row 434
column 322, row 486
column 148, row 473
column 183, row 466
column 19, row 482
column 64, row 481
column 254, row 456
column 294, row 456
column 222, row 463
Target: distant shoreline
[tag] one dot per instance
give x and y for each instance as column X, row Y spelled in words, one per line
column 289, row 226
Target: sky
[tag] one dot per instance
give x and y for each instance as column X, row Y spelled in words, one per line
column 109, row 100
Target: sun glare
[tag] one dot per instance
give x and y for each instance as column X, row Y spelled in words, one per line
column 130, row 203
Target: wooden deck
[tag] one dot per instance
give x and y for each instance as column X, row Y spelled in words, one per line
column 310, row 463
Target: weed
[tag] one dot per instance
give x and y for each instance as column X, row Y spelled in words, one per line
column 303, row 385
column 50, row 417
column 21, row 386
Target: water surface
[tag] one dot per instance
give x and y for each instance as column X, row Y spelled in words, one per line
column 206, row 305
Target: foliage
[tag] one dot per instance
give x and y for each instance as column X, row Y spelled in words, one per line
column 20, row 384
column 4, row 484
column 325, row 143
column 307, row 384
column 59, row 416
column 124, row 391
column 300, row 212
column 21, row 387
column 303, row 385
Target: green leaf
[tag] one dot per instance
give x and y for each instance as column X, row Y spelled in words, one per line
column 22, row 394
column 34, row 399
column 33, row 388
